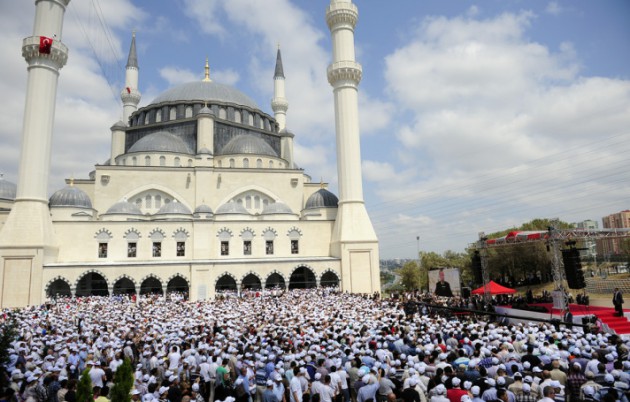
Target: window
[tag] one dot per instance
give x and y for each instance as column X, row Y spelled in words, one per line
column 188, row 112
column 269, row 247
column 147, row 201
column 131, row 250
column 158, row 116
column 158, row 201
column 237, row 116
column 231, row 163
column 295, row 248
column 173, row 113
column 225, row 248
column 222, row 114
column 259, row 163
column 102, row 250
column 162, row 161
column 176, row 163
column 147, row 160
column 157, row 249
column 245, row 163
column 247, row 247
column 134, row 161
column 181, row 248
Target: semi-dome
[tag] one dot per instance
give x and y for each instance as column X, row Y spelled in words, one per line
column 7, row 189
column 276, row 208
column 205, row 91
column 232, row 208
column 70, row 196
column 203, row 209
column 160, row 142
column 124, row 208
column 248, row 144
column 174, row 208
column 322, row 198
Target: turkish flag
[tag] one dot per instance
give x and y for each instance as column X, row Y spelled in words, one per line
column 45, row 43
column 128, row 90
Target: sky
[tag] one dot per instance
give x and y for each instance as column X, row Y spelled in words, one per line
column 475, row 116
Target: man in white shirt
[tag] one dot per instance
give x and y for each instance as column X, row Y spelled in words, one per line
column 97, row 375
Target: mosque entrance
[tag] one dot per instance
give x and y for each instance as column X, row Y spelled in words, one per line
column 124, row 286
column 329, row 280
column 226, row 282
column 177, row 284
column 274, row 281
column 58, row 288
column 92, row 284
column 252, row 282
column 302, row 278
column 151, row 286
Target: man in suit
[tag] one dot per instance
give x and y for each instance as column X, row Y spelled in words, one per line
column 618, row 302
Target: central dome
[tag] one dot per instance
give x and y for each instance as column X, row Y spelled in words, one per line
column 205, row 91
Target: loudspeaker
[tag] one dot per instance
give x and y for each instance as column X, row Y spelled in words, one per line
column 573, row 268
column 465, row 293
column 476, row 267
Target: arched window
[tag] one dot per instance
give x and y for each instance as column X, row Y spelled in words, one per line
column 134, row 161
column 256, row 202
column 172, row 113
column 271, row 164
column 248, row 202
column 158, row 201
column 259, row 163
column 147, row 201
column 222, row 113
column 146, row 118
column 251, row 119
column 245, row 163
column 188, row 112
column 176, row 162
column 189, row 162
column 158, row 116
column 261, row 123
column 147, row 160
column 231, row 162
column 237, row 116
column 162, row 161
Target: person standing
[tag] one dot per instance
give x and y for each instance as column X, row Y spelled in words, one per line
column 618, row 302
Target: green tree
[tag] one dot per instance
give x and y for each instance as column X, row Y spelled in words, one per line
column 84, row 388
column 123, row 382
column 410, row 277
column 8, row 333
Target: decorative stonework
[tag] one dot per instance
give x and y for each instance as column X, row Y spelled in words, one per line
column 125, row 276
column 56, row 59
column 224, row 274
column 103, row 235
column 91, row 271
column 170, row 278
column 345, row 73
column 342, row 15
column 151, row 276
column 294, row 232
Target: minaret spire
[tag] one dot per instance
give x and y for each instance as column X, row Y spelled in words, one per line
column 130, row 95
column 280, row 105
column 353, row 240
column 207, row 72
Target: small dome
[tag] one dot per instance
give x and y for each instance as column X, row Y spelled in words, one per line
column 203, row 209
column 119, row 125
column 205, row 110
column 205, row 91
column 286, row 133
column 7, row 189
column 204, row 151
column 248, row 144
column 322, row 198
column 160, row 142
column 70, row 196
column 276, row 208
column 124, row 208
column 174, row 207
column 231, row 208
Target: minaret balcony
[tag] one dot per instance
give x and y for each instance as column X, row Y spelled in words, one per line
column 344, row 72
column 342, row 15
column 58, row 55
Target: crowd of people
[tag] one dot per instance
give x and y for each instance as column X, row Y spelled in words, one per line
column 316, row 345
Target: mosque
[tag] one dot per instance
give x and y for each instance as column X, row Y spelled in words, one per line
column 201, row 193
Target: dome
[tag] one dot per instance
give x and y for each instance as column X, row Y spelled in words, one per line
column 70, row 197
column 248, row 144
column 276, row 208
column 205, row 91
column 7, row 189
column 322, row 198
column 174, row 207
column 125, row 208
column 160, row 142
column 231, row 208
column 203, row 209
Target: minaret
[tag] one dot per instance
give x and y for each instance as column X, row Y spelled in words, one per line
column 130, row 95
column 27, row 239
column 280, row 105
column 353, row 238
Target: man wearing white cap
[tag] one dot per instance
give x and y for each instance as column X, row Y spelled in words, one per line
column 97, row 375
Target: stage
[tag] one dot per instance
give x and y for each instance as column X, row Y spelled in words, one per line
column 609, row 323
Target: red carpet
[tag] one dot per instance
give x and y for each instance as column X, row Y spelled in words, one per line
column 621, row 325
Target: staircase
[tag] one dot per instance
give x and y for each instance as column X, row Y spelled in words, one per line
column 621, row 325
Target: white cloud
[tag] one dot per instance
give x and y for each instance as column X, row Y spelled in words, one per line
column 554, row 8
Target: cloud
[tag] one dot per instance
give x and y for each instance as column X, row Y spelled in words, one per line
column 554, row 8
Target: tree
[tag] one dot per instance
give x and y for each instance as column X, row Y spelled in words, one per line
column 84, row 388
column 410, row 277
column 8, row 333
column 123, row 382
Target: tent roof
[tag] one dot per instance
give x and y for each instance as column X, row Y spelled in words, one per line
column 494, row 289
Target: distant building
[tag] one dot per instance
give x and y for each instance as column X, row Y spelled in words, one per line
column 620, row 220
column 587, row 224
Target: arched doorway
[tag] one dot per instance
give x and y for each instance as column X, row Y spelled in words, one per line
column 252, row 282
column 124, row 286
column 302, row 278
column 177, row 284
column 329, row 280
column 226, row 282
column 151, row 285
column 274, row 281
column 92, row 284
column 59, row 288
